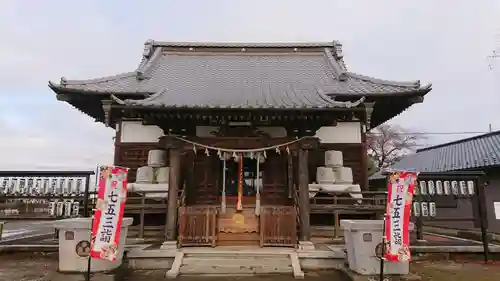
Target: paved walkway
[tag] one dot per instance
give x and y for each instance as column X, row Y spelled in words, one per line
column 14, row 230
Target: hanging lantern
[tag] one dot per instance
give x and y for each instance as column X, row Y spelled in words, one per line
column 252, row 155
column 278, row 151
column 234, row 155
column 207, row 153
column 264, row 154
column 219, row 154
column 288, row 150
column 194, row 149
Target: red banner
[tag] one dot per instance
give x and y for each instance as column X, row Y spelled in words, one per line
column 401, row 186
column 108, row 216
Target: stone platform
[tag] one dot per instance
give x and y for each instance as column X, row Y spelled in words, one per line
column 236, row 260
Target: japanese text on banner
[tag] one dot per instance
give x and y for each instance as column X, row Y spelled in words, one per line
column 111, row 197
column 400, row 195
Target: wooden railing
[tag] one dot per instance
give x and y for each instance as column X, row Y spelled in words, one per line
column 197, row 226
column 334, row 201
column 149, row 210
column 278, row 226
column 372, row 205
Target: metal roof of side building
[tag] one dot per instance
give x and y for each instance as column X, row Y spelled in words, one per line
column 477, row 152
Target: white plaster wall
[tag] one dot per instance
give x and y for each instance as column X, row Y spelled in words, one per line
column 134, row 131
column 344, row 132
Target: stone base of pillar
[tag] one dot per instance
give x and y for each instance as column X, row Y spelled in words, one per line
column 169, row 245
column 306, row 246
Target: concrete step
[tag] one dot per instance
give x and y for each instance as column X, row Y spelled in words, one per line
column 235, row 265
column 237, row 253
column 235, row 261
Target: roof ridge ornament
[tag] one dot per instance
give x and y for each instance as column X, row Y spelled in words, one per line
column 338, row 49
column 337, row 70
column 148, row 49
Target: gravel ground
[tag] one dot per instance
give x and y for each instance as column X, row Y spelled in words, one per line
column 42, row 267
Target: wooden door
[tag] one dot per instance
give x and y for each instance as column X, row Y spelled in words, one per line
column 278, row 226
column 275, row 181
column 204, row 186
column 197, row 226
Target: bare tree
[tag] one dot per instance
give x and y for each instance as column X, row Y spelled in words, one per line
column 389, row 143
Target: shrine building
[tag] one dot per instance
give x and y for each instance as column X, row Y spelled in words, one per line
column 245, row 128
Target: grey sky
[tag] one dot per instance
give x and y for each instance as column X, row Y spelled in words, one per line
column 444, row 42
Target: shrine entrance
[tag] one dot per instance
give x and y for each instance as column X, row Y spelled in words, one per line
column 239, row 195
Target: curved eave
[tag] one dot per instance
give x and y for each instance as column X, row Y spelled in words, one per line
column 87, row 102
column 411, row 91
column 391, row 105
column 415, row 85
column 62, row 88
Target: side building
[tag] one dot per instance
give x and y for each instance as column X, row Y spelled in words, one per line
column 218, row 107
column 479, row 153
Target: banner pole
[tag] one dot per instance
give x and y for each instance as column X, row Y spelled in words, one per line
column 381, row 274
column 89, row 261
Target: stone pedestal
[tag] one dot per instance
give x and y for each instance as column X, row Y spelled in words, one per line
column 169, row 245
column 306, row 246
column 74, row 246
column 361, row 240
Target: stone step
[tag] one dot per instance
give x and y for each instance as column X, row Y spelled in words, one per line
column 275, row 253
column 235, row 263
column 230, row 261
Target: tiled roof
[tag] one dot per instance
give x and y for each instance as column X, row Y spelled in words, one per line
column 264, row 75
column 471, row 153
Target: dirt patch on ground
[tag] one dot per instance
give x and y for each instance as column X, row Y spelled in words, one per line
column 457, row 271
column 27, row 266
column 43, row 267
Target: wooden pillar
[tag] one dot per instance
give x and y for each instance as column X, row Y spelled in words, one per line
column 304, row 208
column 364, row 158
column 365, row 126
column 173, row 189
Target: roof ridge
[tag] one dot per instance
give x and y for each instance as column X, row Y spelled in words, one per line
column 304, row 44
column 458, row 141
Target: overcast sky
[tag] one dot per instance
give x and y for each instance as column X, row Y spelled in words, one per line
column 443, row 42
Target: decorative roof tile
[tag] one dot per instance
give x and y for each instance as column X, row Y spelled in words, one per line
column 471, row 153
